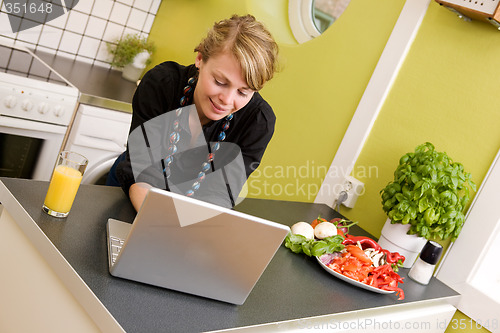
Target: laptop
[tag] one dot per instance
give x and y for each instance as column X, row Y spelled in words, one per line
column 192, row 246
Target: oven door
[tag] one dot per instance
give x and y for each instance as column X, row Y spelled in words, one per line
column 29, row 149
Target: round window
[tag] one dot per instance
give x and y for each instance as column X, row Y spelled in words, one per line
column 310, row 18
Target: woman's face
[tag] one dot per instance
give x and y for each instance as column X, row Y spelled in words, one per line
column 221, row 89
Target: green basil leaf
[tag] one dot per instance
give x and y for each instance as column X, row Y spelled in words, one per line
column 423, row 204
column 296, row 248
column 306, row 248
column 319, row 248
column 294, row 238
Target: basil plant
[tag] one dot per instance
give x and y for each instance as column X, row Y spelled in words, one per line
column 430, row 192
column 125, row 49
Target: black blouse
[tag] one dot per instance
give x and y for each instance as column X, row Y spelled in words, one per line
column 160, row 91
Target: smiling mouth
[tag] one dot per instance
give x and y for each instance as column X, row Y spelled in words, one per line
column 217, row 109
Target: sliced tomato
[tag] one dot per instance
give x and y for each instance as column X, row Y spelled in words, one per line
column 352, row 266
column 359, row 254
column 317, row 221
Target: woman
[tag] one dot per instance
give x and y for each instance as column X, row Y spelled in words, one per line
column 234, row 61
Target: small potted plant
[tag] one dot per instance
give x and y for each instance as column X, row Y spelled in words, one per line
column 132, row 53
column 426, row 199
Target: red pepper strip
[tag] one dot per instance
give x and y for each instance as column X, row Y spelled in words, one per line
column 393, row 257
column 388, row 280
column 399, row 291
column 365, row 242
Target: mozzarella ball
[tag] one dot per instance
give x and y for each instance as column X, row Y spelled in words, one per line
column 324, row 230
column 303, row 229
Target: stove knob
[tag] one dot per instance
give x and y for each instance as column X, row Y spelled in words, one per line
column 26, row 105
column 10, row 102
column 58, row 111
column 43, row 108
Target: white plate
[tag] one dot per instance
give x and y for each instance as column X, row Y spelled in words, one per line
column 353, row 282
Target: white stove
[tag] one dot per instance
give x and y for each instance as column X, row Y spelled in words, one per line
column 36, row 107
column 30, row 89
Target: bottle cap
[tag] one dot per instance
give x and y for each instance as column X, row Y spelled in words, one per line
column 431, row 252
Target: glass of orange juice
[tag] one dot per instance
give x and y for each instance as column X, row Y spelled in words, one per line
column 64, row 184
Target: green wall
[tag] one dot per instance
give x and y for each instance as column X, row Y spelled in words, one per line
column 445, row 93
column 315, row 96
column 179, row 26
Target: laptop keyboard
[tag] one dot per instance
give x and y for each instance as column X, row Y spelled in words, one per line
column 116, row 247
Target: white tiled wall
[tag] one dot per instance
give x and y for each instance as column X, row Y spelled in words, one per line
column 82, row 32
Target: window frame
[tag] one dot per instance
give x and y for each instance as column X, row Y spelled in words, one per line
column 300, row 13
column 466, row 266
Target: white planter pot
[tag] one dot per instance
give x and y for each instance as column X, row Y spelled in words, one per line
column 394, row 238
column 132, row 73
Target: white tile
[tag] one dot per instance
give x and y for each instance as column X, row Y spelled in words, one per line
column 70, row 42
column 69, row 4
column 143, row 4
column 65, row 54
column 127, row 2
column 137, row 19
column 30, row 35
column 95, row 27
column 102, row 64
column 19, row 61
column 6, row 40
column 59, row 22
column 89, row 47
column 102, row 8
column 44, row 49
column 50, row 37
column 154, row 6
column 119, row 13
column 103, row 54
column 5, row 28
column 85, row 59
column 149, row 23
column 76, row 22
column 113, row 32
column 84, row 6
column 130, row 31
column 26, row 44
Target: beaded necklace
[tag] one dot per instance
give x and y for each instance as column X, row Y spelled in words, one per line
column 174, row 138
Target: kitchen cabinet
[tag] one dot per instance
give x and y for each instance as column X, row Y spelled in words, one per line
column 294, row 293
column 99, row 134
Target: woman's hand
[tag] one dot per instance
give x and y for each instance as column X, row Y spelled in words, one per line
column 137, row 193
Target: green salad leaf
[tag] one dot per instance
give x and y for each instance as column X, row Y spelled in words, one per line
column 313, row 247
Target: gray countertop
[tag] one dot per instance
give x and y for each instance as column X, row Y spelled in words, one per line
column 98, row 86
column 292, row 287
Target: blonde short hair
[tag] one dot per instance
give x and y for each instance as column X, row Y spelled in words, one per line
column 249, row 41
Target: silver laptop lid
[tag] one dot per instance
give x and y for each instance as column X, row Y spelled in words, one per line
column 196, row 247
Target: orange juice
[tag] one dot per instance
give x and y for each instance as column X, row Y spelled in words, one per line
column 62, row 189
